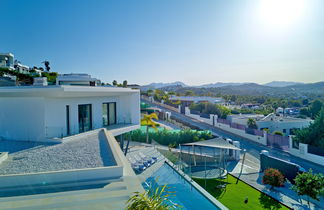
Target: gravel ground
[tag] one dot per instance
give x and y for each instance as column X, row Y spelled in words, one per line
column 31, row 157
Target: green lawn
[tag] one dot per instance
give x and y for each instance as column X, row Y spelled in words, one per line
column 234, row 195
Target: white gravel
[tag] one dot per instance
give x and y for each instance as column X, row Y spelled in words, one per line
column 31, row 157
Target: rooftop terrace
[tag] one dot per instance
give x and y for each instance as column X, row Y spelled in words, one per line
column 31, row 157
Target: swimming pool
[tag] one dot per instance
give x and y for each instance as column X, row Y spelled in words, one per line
column 185, row 194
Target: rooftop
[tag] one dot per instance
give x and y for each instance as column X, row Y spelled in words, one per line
column 63, row 90
column 280, row 118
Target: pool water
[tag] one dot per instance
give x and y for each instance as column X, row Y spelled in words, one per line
column 184, row 194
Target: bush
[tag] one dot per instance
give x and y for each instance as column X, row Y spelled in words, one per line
column 273, row 177
column 279, row 133
column 169, row 137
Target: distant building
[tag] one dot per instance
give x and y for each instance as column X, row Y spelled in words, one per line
column 284, row 124
column 134, row 86
column 8, row 80
column 243, row 118
column 23, row 69
column 250, row 106
column 7, row 60
column 77, row 79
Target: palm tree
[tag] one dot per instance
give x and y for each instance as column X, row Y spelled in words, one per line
column 153, row 199
column 125, row 83
column 148, row 121
column 251, row 123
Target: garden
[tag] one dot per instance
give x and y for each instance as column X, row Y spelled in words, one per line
column 238, row 195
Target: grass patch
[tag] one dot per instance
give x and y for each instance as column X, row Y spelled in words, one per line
column 234, row 195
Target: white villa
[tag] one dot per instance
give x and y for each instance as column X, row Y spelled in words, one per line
column 7, row 60
column 42, row 113
column 77, row 79
column 286, row 125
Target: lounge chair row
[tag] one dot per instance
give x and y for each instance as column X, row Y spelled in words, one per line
column 141, row 162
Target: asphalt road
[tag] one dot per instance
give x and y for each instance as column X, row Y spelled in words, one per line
column 253, row 149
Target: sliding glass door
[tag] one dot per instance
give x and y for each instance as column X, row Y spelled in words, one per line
column 85, row 117
column 109, row 113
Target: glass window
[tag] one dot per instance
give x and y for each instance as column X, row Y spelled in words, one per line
column 68, row 120
column 109, row 113
column 85, row 117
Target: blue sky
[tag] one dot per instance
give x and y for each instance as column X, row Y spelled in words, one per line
column 196, row 42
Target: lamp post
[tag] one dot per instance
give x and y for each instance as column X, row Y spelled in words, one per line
column 244, row 152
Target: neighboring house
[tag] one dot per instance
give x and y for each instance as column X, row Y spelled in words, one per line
column 286, row 125
column 77, row 79
column 39, row 113
column 8, row 80
column 243, row 118
column 250, row 106
column 23, row 69
column 7, row 60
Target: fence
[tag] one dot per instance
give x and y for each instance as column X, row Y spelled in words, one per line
column 316, row 150
column 223, row 121
column 277, row 141
column 237, row 126
column 254, row 132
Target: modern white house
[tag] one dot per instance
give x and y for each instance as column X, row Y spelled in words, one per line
column 243, row 118
column 77, row 79
column 286, row 125
column 21, row 68
column 43, row 113
column 7, row 60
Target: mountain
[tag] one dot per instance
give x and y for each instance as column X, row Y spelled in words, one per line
column 219, row 84
column 162, row 85
column 281, row 83
column 296, row 91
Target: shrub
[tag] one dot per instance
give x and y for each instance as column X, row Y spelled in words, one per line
column 273, row 177
column 278, row 133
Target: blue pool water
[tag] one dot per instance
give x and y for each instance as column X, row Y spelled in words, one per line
column 184, row 194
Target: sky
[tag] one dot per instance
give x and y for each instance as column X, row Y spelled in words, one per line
column 144, row 41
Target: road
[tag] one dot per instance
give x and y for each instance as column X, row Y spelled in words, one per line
column 253, row 149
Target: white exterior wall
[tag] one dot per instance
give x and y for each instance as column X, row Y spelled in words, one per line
column 302, row 152
column 197, row 117
column 44, row 118
column 20, row 118
column 127, row 107
column 238, row 132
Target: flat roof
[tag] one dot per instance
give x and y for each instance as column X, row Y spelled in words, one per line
column 63, row 91
column 33, row 157
column 214, row 143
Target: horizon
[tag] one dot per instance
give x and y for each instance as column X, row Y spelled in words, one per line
column 226, row 83
column 194, row 42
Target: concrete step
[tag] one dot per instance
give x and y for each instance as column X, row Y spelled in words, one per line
column 68, row 200
column 57, row 187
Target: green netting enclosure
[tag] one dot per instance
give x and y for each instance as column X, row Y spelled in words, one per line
column 205, row 159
